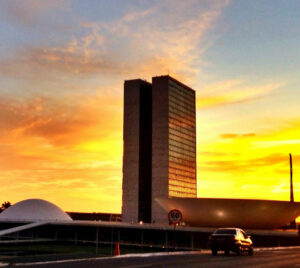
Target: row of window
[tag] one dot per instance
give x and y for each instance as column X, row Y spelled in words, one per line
column 180, row 141
column 181, row 194
column 182, row 151
column 181, row 120
column 183, row 179
column 181, row 167
column 184, row 173
column 189, row 160
column 179, row 114
column 185, row 184
column 176, row 188
column 181, row 117
column 190, row 105
column 187, row 109
column 183, row 136
column 182, row 124
column 186, row 94
column 181, row 147
column 186, row 156
column 180, row 109
column 190, row 132
column 188, row 182
column 181, row 90
column 182, row 161
column 173, row 187
column 182, row 189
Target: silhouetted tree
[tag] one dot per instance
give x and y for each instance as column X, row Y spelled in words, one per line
column 5, row 205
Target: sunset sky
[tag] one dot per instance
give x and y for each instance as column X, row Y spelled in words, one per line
column 62, row 69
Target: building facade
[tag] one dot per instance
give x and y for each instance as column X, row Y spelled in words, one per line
column 159, row 146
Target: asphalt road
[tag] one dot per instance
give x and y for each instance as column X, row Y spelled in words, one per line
column 282, row 258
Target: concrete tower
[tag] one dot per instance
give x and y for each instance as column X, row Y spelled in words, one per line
column 159, row 146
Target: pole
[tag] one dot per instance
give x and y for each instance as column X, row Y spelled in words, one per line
column 291, row 180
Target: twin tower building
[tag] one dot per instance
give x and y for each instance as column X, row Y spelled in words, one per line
column 159, row 157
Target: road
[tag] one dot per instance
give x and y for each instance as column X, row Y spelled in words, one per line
column 279, row 258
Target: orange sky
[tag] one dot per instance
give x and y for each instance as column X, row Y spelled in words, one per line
column 61, row 96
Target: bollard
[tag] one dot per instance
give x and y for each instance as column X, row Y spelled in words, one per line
column 117, row 249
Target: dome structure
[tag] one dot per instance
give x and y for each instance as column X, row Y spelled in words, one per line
column 34, row 210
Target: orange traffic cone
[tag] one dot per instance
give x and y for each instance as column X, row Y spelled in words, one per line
column 117, row 249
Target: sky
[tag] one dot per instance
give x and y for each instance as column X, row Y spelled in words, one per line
column 62, row 69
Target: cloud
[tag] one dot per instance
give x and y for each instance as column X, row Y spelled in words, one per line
column 36, row 61
column 166, row 38
column 214, row 154
column 234, row 92
column 273, row 159
column 277, row 142
column 234, row 136
column 248, row 165
column 60, row 121
column 30, row 13
column 285, row 188
column 281, row 132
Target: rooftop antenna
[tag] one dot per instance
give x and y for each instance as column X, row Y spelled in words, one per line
column 291, row 180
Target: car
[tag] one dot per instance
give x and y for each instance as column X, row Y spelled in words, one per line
column 230, row 239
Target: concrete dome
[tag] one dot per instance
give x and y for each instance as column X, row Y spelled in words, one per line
column 34, row 210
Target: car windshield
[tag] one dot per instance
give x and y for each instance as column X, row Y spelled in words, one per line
column 225, row 231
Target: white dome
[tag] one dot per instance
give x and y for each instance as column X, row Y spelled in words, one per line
column 34, row 210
